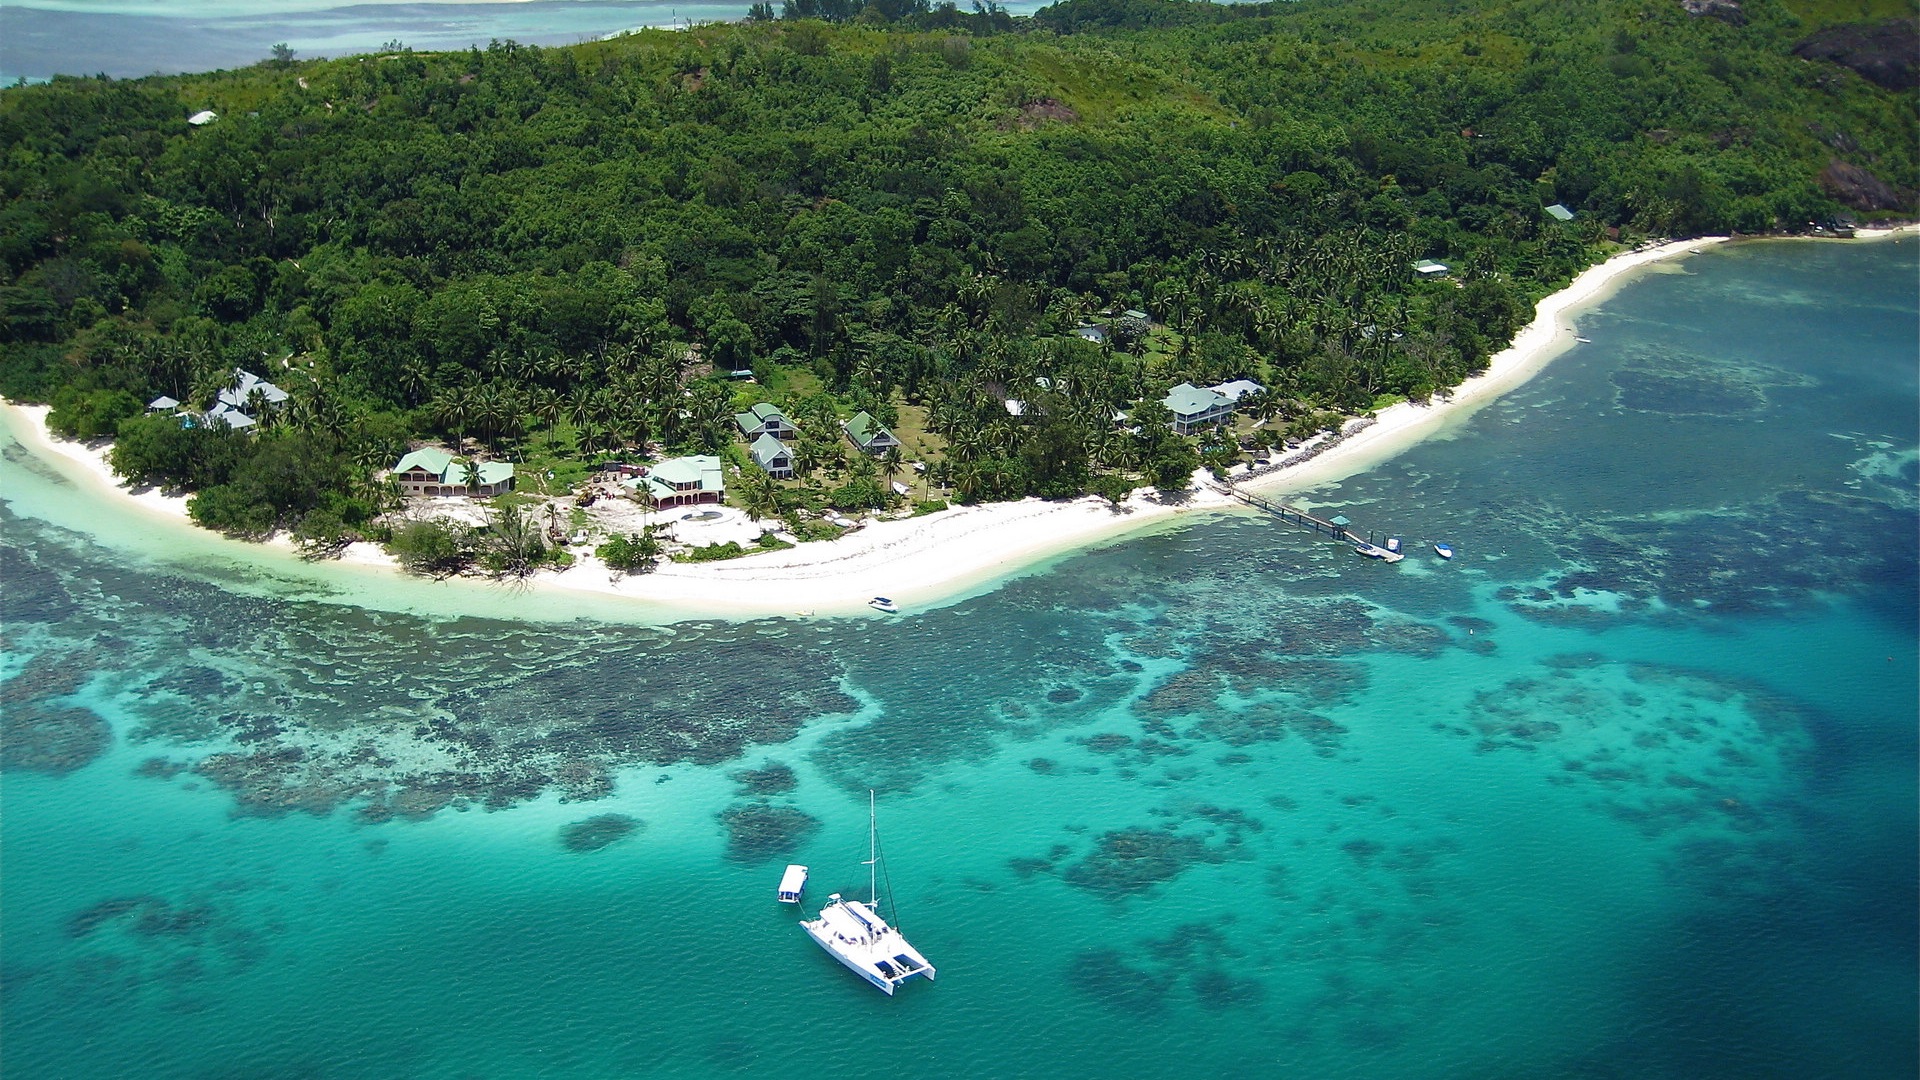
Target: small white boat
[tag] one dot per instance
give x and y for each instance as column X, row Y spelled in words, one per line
column 1373, row 552
column 793, row 883
column 856, row 935
column 1443, row 550
column 1584, row 340
column 881, row 603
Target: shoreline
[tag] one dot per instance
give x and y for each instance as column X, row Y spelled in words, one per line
column 922, row 562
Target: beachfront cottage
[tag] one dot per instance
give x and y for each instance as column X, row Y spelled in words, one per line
column 681, row 481
column 772, row 455
column 163, row 403
column 1195, row 407
column 432, row 471
column 764, row 419
column 866, row 433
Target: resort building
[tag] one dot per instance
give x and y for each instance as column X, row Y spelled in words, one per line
column 247, row 387
column 1236, row 389
column 1195, row 407
column 764, row 419
column 681, row 481
column 866, row 433
column 248, row 391
column 772, row 455
column 433, row 471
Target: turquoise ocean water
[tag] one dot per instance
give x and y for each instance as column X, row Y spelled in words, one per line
column 1626, row 789
column 131, row 38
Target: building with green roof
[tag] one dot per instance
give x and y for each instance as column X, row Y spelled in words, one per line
column 432, row 470
column 764, row 419
column 681, row 481
column 868, row 434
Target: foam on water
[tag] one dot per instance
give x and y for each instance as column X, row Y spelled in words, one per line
column 1624, row 789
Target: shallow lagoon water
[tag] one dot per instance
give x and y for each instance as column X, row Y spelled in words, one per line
column 1627, row 788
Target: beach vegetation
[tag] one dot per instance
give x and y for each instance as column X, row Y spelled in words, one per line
column 562, row 256
column 433, row 547
column 630, row 552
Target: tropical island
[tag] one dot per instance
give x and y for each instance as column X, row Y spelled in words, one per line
column 501, row 308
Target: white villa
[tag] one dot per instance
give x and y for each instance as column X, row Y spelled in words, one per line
column 433, row 471
column 772, row 455
column 248, row 391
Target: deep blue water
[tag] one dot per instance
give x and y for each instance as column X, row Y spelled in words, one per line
column 1626, row 789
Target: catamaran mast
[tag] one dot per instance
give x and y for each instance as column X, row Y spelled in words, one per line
column 873, row 854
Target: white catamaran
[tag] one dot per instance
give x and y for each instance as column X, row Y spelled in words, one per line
column 858, row 937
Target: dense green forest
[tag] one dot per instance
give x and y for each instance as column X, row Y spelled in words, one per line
column 554, row 255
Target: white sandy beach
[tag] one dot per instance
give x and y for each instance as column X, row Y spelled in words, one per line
column 939, row 557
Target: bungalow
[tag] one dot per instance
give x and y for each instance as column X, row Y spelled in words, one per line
column 163, row 403
column 681, row 481
column 433, row 471
column 772, row 455
column 203, row 118
column 1559, row 213
column 868, row 435
column 764, row 419
column 1194, row 407
column 1428, row 269
column 1093, row 332
column 245, row 385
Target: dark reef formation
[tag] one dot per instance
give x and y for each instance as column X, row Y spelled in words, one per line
column 597, row 832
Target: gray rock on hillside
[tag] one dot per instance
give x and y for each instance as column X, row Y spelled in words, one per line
column 1883, row 52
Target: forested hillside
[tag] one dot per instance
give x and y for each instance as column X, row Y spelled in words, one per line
column 556, row 253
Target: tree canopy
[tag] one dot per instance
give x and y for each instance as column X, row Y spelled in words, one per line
column 909, row 205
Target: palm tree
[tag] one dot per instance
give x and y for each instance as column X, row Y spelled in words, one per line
column 892, row 460
column 548, row 408
column 414, row 380
column 454, row 407
column 758, row 495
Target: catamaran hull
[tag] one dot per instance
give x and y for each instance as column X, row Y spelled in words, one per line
column 874, row 977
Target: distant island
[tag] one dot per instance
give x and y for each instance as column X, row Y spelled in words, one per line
column 840, row 260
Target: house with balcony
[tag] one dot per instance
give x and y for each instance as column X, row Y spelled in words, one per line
column 432, row 471
column 681, row 481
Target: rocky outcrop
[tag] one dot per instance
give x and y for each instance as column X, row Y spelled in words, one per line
column 1858, row 188
column 1725, row 10
column 1884, row 52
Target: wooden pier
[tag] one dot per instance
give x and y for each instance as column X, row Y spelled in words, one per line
column 1296, row 516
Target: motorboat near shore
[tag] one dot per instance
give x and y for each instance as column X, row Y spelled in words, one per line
column 793, row 883
column 881, row 603
column 855, row 934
